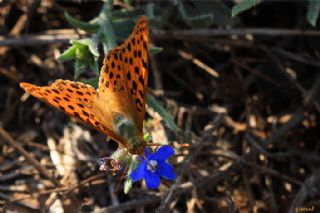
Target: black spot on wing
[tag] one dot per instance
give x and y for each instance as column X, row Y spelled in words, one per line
column 141, row 79
column 128, row 75
column 129, row 46
column 115, row 55
column 85, row 113
column 74, row 85
column 106, row 68
column 140, row 93
column 79, row 93
column 111, row 75
column 56, row 91
column 136, row 70
column 134, row 85
column 76, row 114
column 144, row 64
column 80, row 105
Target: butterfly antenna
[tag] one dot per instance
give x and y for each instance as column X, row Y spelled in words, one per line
column 175, row 146
column 148, row 139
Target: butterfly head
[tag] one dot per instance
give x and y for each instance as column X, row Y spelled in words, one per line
column 133, row 139
column 136, row 145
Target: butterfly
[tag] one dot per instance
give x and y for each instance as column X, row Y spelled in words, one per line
column 117, row 107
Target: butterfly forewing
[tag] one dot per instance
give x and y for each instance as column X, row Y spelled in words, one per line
column 75, row 99
column 111, row 75
column 134, row 52
column 113, row 97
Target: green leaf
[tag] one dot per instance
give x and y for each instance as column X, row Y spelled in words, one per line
column 69, row 54
column 244, row 5
column 79, row 68
column 85, row 52
column 88, row 27
column 132, row 15
column 106, row 33
column 94, row 66
column 128, row 182
column 197, row 16
column 149, row 10
column 221, row 13
column 156, row 106
column 123, row 28
column 107, row 7
column 82, row 53
column 92, row 81
column 147, row 137
column 204, row 20
column 128, row 185
column 155, row 50
column 313, row 12
column 90, row 43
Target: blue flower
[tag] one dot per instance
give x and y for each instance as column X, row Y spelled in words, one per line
column 151, row 170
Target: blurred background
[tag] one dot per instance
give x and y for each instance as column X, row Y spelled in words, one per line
column 239, row 81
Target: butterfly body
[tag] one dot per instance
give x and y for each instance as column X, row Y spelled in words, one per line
column 130, row 134
column 117, row 107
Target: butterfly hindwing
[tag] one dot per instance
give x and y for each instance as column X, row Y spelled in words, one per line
column 75, row 99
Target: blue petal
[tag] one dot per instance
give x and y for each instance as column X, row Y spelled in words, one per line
column 165, row 170
column 146, row 152
column 139, row 172
column 152, row 180
column 163, row 153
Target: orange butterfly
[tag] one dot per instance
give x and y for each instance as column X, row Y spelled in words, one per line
column 117, row 107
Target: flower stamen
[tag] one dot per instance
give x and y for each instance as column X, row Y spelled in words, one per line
column 152, row 164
